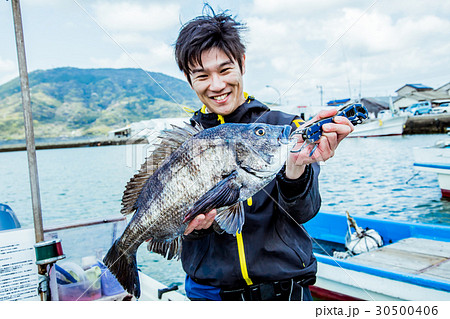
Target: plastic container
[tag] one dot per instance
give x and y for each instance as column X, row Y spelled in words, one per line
column 88, row 261
column 110, row 285
column 80, row 291
column 75, row 284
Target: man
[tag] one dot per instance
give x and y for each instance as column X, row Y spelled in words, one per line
column 271, row 259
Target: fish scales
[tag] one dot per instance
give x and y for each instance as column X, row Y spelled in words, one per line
column 201, row 170
column 180, row 193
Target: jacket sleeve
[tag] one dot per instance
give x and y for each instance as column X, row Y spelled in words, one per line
column 300, row 198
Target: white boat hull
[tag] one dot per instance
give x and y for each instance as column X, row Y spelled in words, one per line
column 381, row 127
column 436, row 160
column 149, row 290
column 361, row 285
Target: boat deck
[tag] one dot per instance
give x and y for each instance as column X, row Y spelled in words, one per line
column 416, row 256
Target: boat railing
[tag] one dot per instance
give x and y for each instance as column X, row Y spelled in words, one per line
column 87, row 238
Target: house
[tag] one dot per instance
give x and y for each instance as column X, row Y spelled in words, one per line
column 409, row 88
column 337, row 102
column 445, row 88
column 413, row 93
column 376, row 104
column 147, row 128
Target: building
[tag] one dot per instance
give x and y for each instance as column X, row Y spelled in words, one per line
column 146, row 129
column 413, row 93
column 445, row 88
column 409, row 88
column 376, row 104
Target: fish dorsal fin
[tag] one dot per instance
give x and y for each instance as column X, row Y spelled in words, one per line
column 168, row 142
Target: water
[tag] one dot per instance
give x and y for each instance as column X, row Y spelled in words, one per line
column 367, row 176
column 375, row 176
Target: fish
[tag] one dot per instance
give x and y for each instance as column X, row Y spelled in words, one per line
column 192, row 171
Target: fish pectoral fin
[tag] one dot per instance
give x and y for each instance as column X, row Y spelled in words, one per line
column 231, row 219
column 224, row 193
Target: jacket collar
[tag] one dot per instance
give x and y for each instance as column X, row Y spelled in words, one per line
column 241, row 115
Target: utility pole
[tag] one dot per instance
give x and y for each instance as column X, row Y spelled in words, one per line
column 279, row 94
column 27, row 115
column 321, row 94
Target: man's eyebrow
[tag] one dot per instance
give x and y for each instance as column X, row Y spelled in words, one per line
column 201, row 69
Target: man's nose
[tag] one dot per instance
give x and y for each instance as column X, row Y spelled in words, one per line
column 217, row 83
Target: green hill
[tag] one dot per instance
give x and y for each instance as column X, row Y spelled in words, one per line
column 78, row 102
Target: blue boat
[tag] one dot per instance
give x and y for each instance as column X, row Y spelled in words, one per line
column 412, row 264
column 8, row 219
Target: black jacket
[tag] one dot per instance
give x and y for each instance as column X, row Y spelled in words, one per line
column 273, row 245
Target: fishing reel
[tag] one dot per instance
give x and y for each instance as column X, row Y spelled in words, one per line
column 311, row 133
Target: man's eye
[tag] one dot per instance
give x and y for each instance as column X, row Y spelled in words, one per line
column 225, row 70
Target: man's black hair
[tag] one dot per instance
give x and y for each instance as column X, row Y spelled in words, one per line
column 205, row 32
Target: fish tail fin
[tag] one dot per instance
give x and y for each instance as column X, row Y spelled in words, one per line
column 123, row 266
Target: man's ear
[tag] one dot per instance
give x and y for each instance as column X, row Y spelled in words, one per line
column 243, row 64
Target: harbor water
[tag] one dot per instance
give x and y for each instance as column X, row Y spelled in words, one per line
column 367, row 176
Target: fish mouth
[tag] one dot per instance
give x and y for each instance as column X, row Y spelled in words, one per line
column 259, row 174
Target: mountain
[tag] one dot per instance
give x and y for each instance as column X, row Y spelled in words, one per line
column 77, row 102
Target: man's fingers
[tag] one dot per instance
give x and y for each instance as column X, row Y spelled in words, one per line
column 193, row 224
column 201, row 221
column 342, row 127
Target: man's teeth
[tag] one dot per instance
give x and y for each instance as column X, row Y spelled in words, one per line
column 220, row 98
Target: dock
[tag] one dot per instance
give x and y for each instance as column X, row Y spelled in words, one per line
column 427, row 124
column 72, row 143
column 423, row 124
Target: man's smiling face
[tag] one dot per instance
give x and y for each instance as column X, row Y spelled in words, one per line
column 218, row 82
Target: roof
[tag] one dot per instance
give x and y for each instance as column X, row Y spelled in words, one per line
column 417, row 86
column 444, row 86
column 337, row 102
column 375, row 104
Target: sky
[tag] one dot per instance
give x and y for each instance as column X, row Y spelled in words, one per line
column 295, row 49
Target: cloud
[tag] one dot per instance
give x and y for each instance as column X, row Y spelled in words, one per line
column 8, row 70
column 145, row 30
column 155, row 58
column 297, row 45
column 283, row 9
column 288, row 42
column 141, row 17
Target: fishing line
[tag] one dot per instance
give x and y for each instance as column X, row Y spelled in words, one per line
column 321, row 55
column 123, row 253
column 128, row 54
column 329, row 48
column 320, row 246
column 315, row 61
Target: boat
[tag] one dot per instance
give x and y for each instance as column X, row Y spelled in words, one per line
column 388, row 125
column 412, row 264
column 435, row 159
column 83, row 245
column 44, row 263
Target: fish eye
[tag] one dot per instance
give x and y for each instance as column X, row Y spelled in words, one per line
column 260, row 131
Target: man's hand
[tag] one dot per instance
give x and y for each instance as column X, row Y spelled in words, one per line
column 333, row 134
column 202, row 221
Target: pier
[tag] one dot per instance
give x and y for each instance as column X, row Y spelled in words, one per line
column 72, row 143
column 427, row 124
column 423, row 124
